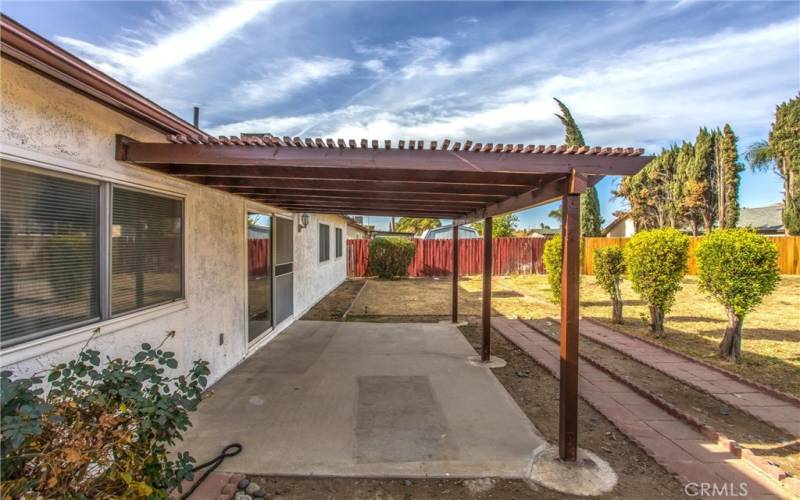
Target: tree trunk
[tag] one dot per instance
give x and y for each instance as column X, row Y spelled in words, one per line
column 656, row 321
column 616, row 312
column 694, row 227
column 731, row 345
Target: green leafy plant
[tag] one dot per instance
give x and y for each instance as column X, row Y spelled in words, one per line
column 552, row 258
column 609, row 269
column 101, row 431
column 503, row 226
column 656, row 263
column 738, row 268
column 390, row 257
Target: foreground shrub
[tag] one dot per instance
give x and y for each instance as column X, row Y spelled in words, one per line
column 609, row 268
column 738, row 268
column 100, row 432
column 390, row 257
column 656, row 263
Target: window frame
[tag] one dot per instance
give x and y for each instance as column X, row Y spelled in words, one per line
column 104, row 231
column 319, row 243
column 338, row 242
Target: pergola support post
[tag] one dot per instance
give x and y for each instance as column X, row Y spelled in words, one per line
column 455, row 274
column 570, row 276
column 486, row 302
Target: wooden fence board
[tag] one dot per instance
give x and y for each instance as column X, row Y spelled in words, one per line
column 524, row 256
column 434, row 257
column 788, row 252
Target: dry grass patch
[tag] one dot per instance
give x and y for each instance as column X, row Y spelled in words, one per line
column 770, row 344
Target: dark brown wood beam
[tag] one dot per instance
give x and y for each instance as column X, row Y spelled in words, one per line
column 347, row 158
column 349, row 199
column 570, row 323
column 454, row 299
column 373, row 211
column 497, row 178
column 368, row 186
column 545, row 194
column 486, row 298
column 380, row 195
column 374, row 204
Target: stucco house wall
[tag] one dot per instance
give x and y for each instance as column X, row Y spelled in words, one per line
column 46, row 125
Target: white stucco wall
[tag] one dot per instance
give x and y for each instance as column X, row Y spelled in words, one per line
column 314, row 279
column 46, row 125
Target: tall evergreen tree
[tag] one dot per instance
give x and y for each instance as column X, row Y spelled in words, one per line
column 782, row 153
column 591, row 220
column 702, row 178
column 687, row 190
column 728, row 178
column 574, row 137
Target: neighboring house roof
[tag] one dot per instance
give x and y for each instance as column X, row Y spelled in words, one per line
column 546, row 231
column 355, row 225
column 614, row 223
column 434, row 233
column 769, row 218
column 20, row 44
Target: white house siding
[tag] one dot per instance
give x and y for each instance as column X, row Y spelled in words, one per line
column 313, row 279
column 45, row 124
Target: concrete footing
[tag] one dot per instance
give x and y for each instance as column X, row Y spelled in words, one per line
column 494, row 362
column 448, row 322
column 588, row 476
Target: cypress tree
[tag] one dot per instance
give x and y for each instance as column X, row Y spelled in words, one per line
column 729, row 170
column 702, row 177
column 784, row 140
column 591, row 220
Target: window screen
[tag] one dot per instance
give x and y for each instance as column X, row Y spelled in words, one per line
column 338, row 242
column 48, row 254
column 146, row 250
column 324, row 242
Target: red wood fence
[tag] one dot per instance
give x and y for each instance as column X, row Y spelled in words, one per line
column 434, row 257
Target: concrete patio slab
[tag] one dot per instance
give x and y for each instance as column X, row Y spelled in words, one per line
column 367, row 400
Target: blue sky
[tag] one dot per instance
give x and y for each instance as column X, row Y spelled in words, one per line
column 634, row 74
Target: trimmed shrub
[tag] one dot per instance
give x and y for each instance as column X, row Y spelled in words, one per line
column 609, row 268
column 390, row 257
column 552, row 258
column 738, row 268
column 656, row 263
column 100, row 431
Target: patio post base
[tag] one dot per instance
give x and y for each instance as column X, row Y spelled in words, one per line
column 494, row 362
column 448, row 322
column 588, row 476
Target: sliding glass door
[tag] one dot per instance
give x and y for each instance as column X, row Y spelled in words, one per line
column 259, row 274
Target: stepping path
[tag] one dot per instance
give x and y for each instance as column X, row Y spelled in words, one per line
column 773, row 410
column 671, row 442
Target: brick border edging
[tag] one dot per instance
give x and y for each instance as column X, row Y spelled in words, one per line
column 789, row 398
column 773, row 472
column 358, row 294
column 673, row 377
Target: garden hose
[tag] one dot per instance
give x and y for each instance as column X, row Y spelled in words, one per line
column 213, row 464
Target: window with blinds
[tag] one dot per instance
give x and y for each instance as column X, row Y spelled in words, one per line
column 338, row 242
column 49, row 256
column 146, row 250
column 324, row 242
column 75, row 251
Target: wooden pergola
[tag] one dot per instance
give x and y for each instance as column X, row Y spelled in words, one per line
column 466, row 182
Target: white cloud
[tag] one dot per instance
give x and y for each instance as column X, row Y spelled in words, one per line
column 645, row 96
column 136, row 61
column 292, row 76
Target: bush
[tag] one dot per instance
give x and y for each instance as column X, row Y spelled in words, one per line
column 552, row 258
column 100, row 432
column 390, row 257
column 656, row 262
column 738, row 268
column 609, row 268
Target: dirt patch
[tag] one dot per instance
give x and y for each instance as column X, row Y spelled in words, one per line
column 333, row 306
column 764, row 440
column 537, row 393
